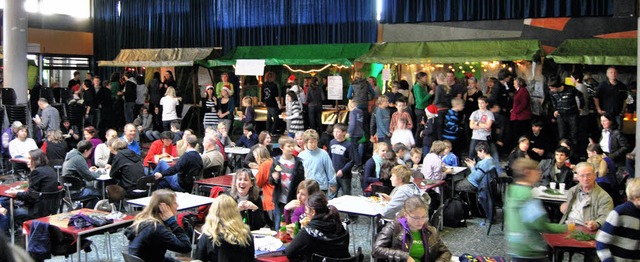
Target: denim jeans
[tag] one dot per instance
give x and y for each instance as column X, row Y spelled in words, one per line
column 344, row 184
column 278, row 211
column 167, row 181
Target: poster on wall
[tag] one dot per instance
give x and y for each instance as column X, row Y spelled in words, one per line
column 249, row 67
column 386, row 74
column 334, row 86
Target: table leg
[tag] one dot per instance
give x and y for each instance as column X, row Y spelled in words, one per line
column 78, row 248
column 373, row 234
column 103, row 197
column 108, row 235
column 441, row 222
column 12, row 229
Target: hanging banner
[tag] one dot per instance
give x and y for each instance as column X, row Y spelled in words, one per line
column 334, row 88
column 249, row 67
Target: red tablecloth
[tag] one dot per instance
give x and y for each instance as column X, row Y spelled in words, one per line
column 223, row 181
column 427, row 187
column 273, row 259
column 4, row 188
column 61, row 221
column 563, row 241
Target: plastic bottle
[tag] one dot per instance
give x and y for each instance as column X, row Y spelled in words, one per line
column 296, row 229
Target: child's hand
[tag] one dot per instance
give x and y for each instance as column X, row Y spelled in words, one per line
column 275, row 175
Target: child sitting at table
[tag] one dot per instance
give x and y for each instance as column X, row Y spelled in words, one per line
column 286, row 173
column 248, row 138
column 414, row 164
column 449, row 158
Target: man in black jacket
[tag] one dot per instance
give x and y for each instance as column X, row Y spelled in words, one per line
column 129, row 92
column 556, row 170
column 566, row 108
column 180, row 177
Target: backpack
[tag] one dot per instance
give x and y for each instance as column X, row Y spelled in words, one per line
column 455, row 212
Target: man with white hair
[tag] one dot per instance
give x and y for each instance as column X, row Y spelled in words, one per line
column 587, row 203
column 129, row 137
column 8, row 135
column 211, row 156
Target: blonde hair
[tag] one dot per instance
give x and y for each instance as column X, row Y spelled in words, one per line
column 379, row 145
column 285, row 140
column 416, row 151
column 440, row 78
column 437, row 147
column 248, row 100
column 310, row 134
column 633, row 188
column 225, row 223
column 151, row 213
column 54, row 136
column 403, row 172
column 261, row 154
column 171, row 92
column 382, row 99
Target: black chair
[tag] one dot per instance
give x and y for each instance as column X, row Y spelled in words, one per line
column 358, row 257
column 212, row 171
column 130, row 258
column 51, row 201
column 9, row 96
column 47, row 92
column 145, row 184
column 74, row 185
column 75, row 113
column 18, row 113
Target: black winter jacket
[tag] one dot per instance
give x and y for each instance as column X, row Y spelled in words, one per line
column 41, row 180
column 208, row 252
column 126, row 169
column 152, row 240
column 322, row 237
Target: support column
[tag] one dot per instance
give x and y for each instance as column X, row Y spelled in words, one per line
column 637, row 164
column 14, row 43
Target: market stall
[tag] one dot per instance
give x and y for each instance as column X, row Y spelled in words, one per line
column 179, row 60
column 604, row 52
column 481, row 58
column 332, row 58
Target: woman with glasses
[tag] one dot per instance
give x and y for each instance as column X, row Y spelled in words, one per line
column 247, row 194
column 410, row 238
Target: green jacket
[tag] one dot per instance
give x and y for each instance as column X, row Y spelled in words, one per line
column 525, row 220
column 421, row 95
column 597, row 208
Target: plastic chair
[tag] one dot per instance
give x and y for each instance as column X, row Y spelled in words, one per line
column 52, row 201
column 74, row 185
column 130, row 258
column 358, row 257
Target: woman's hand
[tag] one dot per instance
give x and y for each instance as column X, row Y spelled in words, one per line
column 293, row 204
column 246, row 205
column 253, row 165
column 384, row 196
column 165, row 212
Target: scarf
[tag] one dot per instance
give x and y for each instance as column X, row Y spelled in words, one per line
column 377, row 159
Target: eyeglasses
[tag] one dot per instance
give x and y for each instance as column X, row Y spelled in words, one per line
column 417, row 217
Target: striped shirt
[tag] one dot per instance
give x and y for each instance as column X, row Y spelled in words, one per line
column 619, row 237
column 210, row 113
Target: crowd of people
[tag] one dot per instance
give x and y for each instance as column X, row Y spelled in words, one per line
column 410, row 133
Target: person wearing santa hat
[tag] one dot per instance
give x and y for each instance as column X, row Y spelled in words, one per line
column 428, row 133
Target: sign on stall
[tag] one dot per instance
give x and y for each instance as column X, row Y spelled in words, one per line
column 386, row 74
column 334, row 86
column 249, row 67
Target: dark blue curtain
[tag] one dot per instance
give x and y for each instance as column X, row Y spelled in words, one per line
column 229, row 23
column 423, row 11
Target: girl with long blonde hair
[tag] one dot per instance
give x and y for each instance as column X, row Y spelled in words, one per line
column 224, row 236
column 155, row 230
column 264, row 160
column 169, row 103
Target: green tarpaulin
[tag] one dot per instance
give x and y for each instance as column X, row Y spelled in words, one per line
column 342, row 54
column 596, row 51
column 452, row 52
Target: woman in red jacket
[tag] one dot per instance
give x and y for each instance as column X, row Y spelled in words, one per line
column 521, row 112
